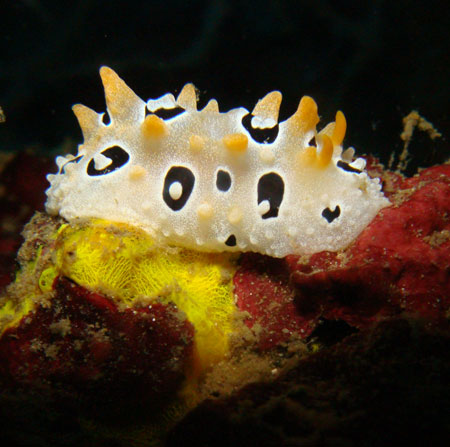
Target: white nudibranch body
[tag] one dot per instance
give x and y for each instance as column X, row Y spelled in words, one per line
column 211, row 181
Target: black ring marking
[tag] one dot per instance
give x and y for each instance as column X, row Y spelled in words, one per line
column 346, row 167
column 271, row 188
column 118, row 157
column 268, row 135
column 223, row 181
column 331, row 215
column 166, row 114
column 231, row 241
column 187, row 180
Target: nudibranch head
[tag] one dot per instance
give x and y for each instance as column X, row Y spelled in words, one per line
column 211, row 181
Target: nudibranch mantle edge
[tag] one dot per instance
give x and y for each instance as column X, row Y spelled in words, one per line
column 212, row 181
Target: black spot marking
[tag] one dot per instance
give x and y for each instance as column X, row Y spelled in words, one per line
column 271, row 188
column 346, row 167
column 331, row 215
column 166, row 114
column 187, row 180
column 74, row 160
column 118, row 157
column 231, row 241
column 106, row 119
column 223, row 181
column 268, row 135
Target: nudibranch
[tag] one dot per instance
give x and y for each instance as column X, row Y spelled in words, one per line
column 212, row 181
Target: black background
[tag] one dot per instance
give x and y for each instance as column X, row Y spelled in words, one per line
column 376, row 61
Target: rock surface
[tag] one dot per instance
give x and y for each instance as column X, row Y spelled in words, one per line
column 377, row 313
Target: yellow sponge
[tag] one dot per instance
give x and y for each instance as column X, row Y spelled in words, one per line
column 124, row 262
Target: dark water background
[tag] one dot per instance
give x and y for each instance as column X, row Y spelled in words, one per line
column 374, row 60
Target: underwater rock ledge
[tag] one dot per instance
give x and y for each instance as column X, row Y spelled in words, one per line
column 108, row 370
column 384, row 386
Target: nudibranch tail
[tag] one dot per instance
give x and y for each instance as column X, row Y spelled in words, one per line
column 216, row 181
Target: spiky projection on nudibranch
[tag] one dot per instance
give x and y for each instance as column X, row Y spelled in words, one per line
column 211, row 181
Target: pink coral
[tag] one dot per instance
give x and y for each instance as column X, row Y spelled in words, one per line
column 86, row 343
column 399, row 263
